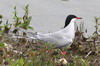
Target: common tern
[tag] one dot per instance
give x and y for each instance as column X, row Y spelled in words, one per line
column 61, row 38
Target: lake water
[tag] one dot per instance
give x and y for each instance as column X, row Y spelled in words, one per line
column 49, row 15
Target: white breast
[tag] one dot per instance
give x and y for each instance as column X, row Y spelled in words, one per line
column 60, row 38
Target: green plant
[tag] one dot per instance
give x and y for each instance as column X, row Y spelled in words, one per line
column 4, row 28
column 96, row 34
column 97, row 23
column 7, row 27
column 22, row 22
column 18, row 62
column 1, row 31
column 2, row 45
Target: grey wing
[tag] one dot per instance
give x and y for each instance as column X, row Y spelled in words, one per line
column 50, row 37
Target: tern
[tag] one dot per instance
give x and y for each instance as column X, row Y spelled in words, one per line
column 61, row 38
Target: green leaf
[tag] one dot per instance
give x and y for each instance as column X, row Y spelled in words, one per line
column 1, row 16
column 1, row 32
column 19, row 62
column 27, row 21
column 22, row 25
column 1, row 26
column 2, row 45
column 29, row 27
column 30, row 18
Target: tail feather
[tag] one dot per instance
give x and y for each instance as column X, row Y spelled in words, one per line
column 29, row 35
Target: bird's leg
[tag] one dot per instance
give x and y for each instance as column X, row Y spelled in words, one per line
column 63, row 52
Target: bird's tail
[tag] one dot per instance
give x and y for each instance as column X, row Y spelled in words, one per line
column 29, row 35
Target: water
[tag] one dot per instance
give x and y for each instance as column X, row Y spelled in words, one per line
column 49, row 15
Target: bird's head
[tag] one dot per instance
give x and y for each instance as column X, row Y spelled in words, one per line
column 71, row 18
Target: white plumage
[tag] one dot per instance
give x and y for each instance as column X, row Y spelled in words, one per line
column 61, row 38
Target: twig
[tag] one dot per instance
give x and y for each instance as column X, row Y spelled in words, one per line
column 95, row 60
column 88, row 54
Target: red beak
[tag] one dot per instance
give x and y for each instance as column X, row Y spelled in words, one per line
column 78, row 18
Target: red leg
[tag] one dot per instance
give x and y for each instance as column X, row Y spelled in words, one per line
column 63, row 52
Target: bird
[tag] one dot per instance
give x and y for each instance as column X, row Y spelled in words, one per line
column 60, row 38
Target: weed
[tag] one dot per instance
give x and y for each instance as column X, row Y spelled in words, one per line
column 22, row 22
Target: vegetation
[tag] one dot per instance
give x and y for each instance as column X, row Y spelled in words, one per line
column 23, row 52
column 22, row 22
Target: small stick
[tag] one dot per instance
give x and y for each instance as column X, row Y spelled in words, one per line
column 95, row 60
column 88, row 54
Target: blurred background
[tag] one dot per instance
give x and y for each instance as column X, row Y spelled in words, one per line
column 49, row 15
